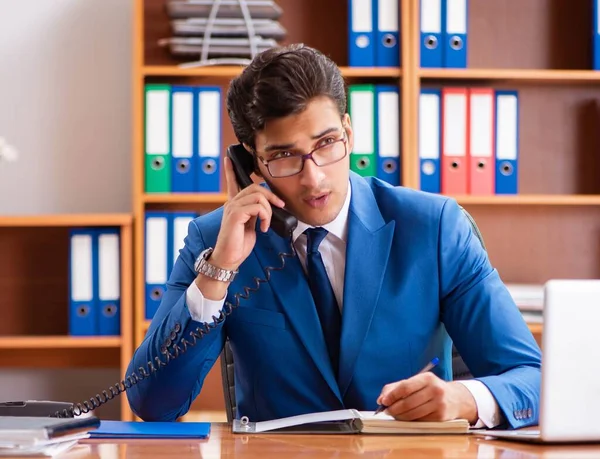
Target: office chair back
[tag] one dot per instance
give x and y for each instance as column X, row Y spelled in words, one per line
column 459, row 368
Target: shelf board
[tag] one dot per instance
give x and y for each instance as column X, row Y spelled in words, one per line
column 233, row 71
column 176, row 198
column 533, row 75
column 66, row 220
column 536, row 329
column 59, row 342
column 532, row 199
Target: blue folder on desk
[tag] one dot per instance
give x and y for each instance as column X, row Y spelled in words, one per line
column 148, row 430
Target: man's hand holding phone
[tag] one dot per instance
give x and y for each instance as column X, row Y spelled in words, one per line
column 237, row 235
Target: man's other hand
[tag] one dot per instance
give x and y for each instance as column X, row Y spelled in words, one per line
column 425, row 397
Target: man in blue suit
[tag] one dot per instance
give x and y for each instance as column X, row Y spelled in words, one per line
column 380, row 280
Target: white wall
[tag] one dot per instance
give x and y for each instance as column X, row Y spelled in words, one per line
column 65, row 104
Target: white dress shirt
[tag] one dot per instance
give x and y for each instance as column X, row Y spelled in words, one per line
column 333, row 252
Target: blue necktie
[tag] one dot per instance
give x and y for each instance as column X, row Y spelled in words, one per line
column 327, row 307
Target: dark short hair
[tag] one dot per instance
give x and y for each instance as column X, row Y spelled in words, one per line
column 281, row 81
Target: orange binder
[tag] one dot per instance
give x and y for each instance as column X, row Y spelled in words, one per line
column 455, row 135
column 481, row 141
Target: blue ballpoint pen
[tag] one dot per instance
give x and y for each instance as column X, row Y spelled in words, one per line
column 427, row 367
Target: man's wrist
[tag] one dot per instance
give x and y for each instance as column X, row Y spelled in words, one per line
column 466, row 402
column 216, row 260
column 211, row 289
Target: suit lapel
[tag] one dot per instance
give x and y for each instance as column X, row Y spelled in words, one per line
column 367, row 251
column 290, row 286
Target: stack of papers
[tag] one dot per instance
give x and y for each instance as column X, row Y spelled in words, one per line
column 42, row 436
column 529, row 298
column 40, row 448
column 230, row 35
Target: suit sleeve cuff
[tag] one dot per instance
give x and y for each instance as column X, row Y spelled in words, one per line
column 202, row 309
column 487, row 407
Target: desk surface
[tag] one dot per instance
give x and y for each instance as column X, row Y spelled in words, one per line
column 223, row 443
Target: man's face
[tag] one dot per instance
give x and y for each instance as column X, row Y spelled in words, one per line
column 316, row 194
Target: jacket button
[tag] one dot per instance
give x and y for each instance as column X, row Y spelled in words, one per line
column 163, row 349
column 168, row 342
column 177, row 327
column 173, row 335
column 529, row 412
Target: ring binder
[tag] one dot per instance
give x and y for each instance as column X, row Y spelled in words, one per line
column 431, row 42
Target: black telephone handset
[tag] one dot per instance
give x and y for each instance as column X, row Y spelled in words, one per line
column 282, row 222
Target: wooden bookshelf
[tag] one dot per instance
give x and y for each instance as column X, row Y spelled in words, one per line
column 520, row 76
column 60, row 342
column 179, row 198
column 542, row 49
column 34, row 280
column 536, row 329
column 68, row 220
column 233, row 71
column 531, row 199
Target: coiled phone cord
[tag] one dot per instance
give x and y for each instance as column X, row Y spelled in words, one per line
column 152, row 367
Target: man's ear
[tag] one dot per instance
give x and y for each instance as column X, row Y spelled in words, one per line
column 349, row 132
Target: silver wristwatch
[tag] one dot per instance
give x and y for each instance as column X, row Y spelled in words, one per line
column 202, row 266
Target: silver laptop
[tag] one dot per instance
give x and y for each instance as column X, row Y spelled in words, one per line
column 570, row 392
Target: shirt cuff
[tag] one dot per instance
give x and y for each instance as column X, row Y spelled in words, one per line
column 202, row 309
column 487, row 407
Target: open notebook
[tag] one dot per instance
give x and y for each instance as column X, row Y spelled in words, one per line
column 349, row 421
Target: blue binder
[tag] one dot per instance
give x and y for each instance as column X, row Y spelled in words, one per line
column 208, row 144
column 387, row 122
column 507, row 142
column 109, row 282
column 184, row 133
column 154, row 430
column 387, row 49
column 179, row 223
column 361, row 31
column 596, row 35
column 83, row 282
column 455, row 15
column 158, row 254
column 430, row 143
column 431, row 17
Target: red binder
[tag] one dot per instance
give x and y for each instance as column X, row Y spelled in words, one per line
column 455, row 135
column 481, row 141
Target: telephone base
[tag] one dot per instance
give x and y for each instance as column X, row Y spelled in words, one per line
column 35, row 408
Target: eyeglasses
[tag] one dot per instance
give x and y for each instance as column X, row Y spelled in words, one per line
column 323, row 155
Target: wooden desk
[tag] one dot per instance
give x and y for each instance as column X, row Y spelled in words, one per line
column 223, row 443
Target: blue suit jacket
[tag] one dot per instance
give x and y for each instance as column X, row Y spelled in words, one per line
column 415, row 276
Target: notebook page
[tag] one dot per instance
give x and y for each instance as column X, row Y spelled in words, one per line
column 338, row 415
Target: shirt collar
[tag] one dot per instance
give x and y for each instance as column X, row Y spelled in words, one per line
column 338, row 226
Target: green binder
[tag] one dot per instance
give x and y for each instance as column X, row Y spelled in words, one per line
column 361, row 107
column 157, row 138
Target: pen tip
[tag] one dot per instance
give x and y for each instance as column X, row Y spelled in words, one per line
column 435, row 361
